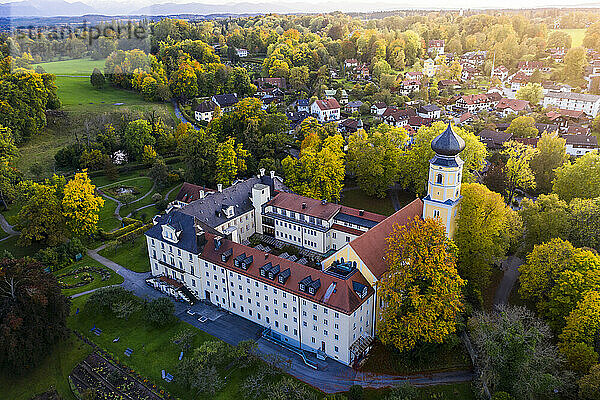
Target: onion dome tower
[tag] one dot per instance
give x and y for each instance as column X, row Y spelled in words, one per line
column 445, row 174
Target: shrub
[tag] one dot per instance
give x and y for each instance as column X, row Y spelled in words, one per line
column 501, row 396
column 160, row 312
column 101, row 301
column 355, row 392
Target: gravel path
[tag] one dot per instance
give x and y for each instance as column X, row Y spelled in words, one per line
column 511, row 274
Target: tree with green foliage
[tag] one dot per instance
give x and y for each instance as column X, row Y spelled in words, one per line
column 231, row 160
column 160, row 312
column 544, row 219
column 574, row 65
column 375, row 157
column 518, row 170
column 551, row 154
column 523, row 126
column 486, row 228
column 199, row 151
column 414, row 170
column 33, row 314
column 97, row 79
column 422, row 290
column 516, row 354
column 579, row 179
column 559, row 39
column 589, row 385
column 137, row 134
column 319, row 171
column 584, row 223
column 532, row 92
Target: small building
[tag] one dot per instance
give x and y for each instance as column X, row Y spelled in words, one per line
column 494, row 140
column 588, row 103
column 512, row 106
column 429, row 67
column 241, row 52
column 353, row 106
column 303, row 105
column 325, row 110
column 519, row 79
column 350, row 63
column 436, row 46
column 204, row 111
column 565, row 118
column 350, row 125
column 529, row 67
column 500, row 72
column 578, row 145
column 226, row 102
column 378, row 108
column 430, row 111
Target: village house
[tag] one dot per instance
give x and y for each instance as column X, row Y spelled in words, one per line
column 296, row 118
column 469, row 72
column 409, row 86
column 436, row 47
column 204, row 111
column 378, row 108
column 578, row 145
column 350, row 63
column 588, row 103
column 518, row 80
column 325, row 110
column 226, row 102
column 566, row 118
column 331, row 93
column 507, row 107
column 241, row 53
column 500, row 72
column 472, row 103
column 494, row 140
column 188, row 193
column 429, row 67
column 303, row 105
column 349, row 125
column 353, row 106
column 396, row 117
column 529, row 67
column 465, row 118
column 429, row 111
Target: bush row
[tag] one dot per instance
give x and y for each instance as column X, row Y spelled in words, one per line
column 119, row 232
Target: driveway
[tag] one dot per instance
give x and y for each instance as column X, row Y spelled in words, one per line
column 511, row 273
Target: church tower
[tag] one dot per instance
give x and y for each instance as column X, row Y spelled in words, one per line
column 445, row 174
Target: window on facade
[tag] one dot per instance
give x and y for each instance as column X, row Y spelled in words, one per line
column 438, row 179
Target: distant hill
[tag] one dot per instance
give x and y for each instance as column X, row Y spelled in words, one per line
column 44, row 8
column 203, row 9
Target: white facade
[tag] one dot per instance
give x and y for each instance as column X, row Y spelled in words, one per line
column 324, row 114
column 206, row 116
column 588, row 103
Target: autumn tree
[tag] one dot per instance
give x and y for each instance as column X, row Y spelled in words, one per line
column 199, row 152
column 414, row 170
column 589, row 385
column 523, row 126
column 486, row 228
column 579, row 179
column 319, row 171
column 137, row 134
column 581, row 333
column 81, row 206
column 421, row 291
column 556, row 276
column 231, row 160
column 574, row 64
column 532, row 92
column 375, row 157
column 584, row 223
column 33, row 314
column 517, row 169
column 550, row 155
column 9, row 175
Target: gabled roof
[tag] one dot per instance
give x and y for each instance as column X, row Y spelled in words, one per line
column 225, row 100
column 494, row 139
column 574, row 96
column 355, row 103
column 513, row 104
column 587, row 141
column 205, row 106
column 429, row 108
column 188, row 239
column 327, row 104
column 379, row 105
column 372, row 245
column 474, row 98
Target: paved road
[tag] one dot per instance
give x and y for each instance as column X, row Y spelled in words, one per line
column 331, row 376
column 511, row 273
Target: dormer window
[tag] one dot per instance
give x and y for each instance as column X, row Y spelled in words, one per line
column 302, row 287
column 226, row 254
column 283, row 276
column 238, row 260
column 311, row 290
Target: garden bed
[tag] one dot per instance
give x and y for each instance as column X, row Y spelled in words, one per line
column 108, row 380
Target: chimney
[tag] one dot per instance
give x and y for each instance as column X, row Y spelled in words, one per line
column 202, row 194
column 219, row 187
column 272, row 174
column 262, row 172
column 361, row 212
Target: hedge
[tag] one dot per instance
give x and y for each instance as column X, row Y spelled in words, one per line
column 135, row 233
column 119, row 232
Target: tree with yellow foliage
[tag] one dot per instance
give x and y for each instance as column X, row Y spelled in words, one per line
column 421, row 291
column 231, row 160
column 320, row 170
column 81, row 206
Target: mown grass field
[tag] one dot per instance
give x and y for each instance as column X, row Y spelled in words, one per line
column 80, row 66
column 133, row 256
column 576, row 34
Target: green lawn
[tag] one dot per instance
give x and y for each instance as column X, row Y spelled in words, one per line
column 174, row 192
column 80, row 66
column 132, row 256
column 115, row 279
column 577, row 35
column 52, row 372
column 358, row 199
column 153, row 350
column 16, row 250
column 78, row 93
column 142, row 185
column 456, row 391
column 107, row 220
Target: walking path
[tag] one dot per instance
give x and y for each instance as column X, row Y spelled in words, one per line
column 120, row 204
column 511, row 273
column 331, row 376
column 8, row 228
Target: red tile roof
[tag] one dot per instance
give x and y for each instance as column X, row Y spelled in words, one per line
column 513, row 104
column 347, row 229
column 343, row 298
column 328, row 104
column 190, row 192
column 372, row 245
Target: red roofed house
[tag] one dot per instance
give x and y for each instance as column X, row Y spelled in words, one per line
column 519, row 79
column 501, row 72
column 436, row 46
column 529, row 67
column 512, row 106
column 565, row 118
column 325, row 110
column 472, row 102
